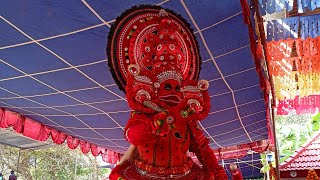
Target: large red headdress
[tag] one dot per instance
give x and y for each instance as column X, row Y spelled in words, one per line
column 154, row 42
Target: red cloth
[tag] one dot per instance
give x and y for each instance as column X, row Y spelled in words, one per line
column 72, row 142
column 85, row 147
column 238, row 151
column 128, row 172
column 156, row 144
column 237, row 175
column 58, row 137
column 12, row 177
column 40, row 132
column 95, row 150
column 200, row 146
column 36, row 130
column 163, row 153
column 139, row 130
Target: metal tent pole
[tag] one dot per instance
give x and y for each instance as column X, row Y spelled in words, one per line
column 18, row 162
column 75, row 168
column 273, row 103
column 276, row 149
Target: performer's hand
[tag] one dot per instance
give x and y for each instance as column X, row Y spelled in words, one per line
column 236, row 173
column 233, row 167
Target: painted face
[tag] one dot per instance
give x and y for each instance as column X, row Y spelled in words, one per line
column 169, row 92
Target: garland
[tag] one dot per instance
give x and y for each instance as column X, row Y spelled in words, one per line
column 306, row 105
column 272, row 173
column 312, row 175
column 295, row 67
column 292, row 27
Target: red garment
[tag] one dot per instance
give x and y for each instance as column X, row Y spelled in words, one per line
column 155, row 58
column 237, row 175
column 163, row 139
column 164, row 154
column 140, row 133
column 128, row 172
column 12, row 177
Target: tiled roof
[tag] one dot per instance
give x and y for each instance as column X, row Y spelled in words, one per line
column 304, row 158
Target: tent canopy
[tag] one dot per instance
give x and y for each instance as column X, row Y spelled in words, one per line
column 11, row 138
column 53, row 69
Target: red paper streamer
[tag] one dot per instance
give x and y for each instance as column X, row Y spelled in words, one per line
column 305, row 105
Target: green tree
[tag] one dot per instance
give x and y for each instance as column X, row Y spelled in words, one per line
column 316, row 122
column 294, row 130
column 57, row 162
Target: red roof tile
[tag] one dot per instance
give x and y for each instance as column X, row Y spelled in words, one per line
column 304, row 158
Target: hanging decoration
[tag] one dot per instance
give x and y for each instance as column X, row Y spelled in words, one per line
column 37, row 131
column 111, row 156
column 308, row 47
column 287, row 28
column 277, row 50
column 282, row 29
column 239, row 151
column 272, row 172
column 312, row 175
column 285, row 86
column 310, row 25
column 308, row 5
column 298, row 75
column 283, row 67
column 295, row 67
column 304, row 105
column 273, row 6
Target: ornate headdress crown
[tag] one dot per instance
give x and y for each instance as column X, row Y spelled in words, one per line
column 157, row 41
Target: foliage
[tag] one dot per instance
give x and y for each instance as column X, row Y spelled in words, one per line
column 293, row 131
column 265, row 166
column 57, row 162
column 316, row 122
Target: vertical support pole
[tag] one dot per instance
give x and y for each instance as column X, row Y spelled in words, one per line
column 268, row 175
column 35, row 167
column 276, row 149
column 18, row 163
column 273, row 103
column 75, row 168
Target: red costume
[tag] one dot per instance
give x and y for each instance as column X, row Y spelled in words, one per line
column 236, row 173
column 154, row 58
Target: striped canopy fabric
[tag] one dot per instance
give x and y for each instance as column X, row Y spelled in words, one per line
column 53, row 68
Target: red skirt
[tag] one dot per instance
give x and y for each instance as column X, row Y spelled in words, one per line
column 126, row 171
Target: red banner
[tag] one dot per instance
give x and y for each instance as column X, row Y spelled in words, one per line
column 40, row 132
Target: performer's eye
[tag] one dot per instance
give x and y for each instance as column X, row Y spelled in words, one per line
column 178, row 88
column 167, row 86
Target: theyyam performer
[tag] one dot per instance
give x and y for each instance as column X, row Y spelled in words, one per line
column 154, row 58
